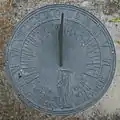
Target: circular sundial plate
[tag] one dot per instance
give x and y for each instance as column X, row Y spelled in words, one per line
column 89, row 60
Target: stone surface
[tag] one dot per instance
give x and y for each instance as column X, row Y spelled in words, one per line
column 110, row 102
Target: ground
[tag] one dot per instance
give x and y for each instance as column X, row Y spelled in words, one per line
column 11, row 12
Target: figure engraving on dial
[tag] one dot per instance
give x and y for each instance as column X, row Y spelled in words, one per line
column 63, row 87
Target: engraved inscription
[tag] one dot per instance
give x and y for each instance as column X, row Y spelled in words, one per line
column 79, row 94
column 55, row 13
column 79, row 16
column 17, row 44
column 93, row 65
column 100, row 83
column 45, row 97
column 89, row 91
column 70, row 31
column 82, row 91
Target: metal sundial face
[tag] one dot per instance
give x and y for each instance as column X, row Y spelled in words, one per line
column 88, row 57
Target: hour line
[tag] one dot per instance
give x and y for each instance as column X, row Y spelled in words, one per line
column 90, row 75
column 27, row 83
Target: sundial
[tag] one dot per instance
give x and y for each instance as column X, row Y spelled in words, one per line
column 61, row 59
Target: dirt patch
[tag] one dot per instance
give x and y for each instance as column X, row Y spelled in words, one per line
column 5, row 33
column 5, row 5
column 111, row 7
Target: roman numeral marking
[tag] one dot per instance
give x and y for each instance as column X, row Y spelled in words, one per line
column 107, row 62
column 15, row 52
column 14, row 69
column 33, row 41
column 29, row 78
column 90, row 75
